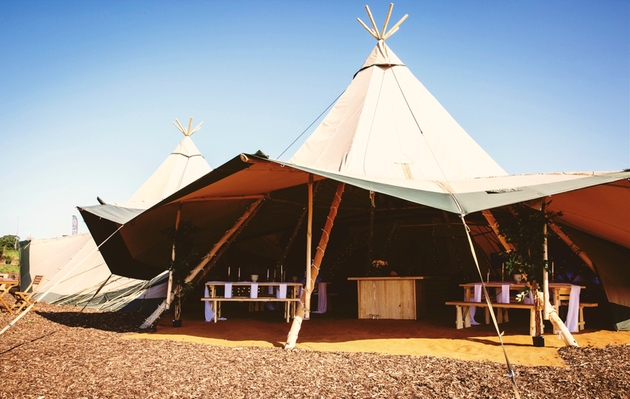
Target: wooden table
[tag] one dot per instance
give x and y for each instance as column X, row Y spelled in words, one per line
column 395, row 297
column 5, row 286
column 559, row 292
column 214, row 300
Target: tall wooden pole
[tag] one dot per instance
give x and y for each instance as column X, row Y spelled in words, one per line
column 314, row 269
column 545, row 272
column 309, row 242
column 556, row 229
column 250, row 212
column 169, row 289
column 368, row 261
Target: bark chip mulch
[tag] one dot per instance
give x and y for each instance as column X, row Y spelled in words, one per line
column 55, row 352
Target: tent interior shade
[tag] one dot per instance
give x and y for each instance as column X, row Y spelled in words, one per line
column 404, row 231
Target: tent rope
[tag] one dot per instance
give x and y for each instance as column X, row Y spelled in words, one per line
column 309, row 126
column 12, row 323
column 511, row 374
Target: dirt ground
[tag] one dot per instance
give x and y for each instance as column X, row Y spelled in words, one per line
column 432, row 335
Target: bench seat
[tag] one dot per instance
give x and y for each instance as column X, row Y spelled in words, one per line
column 289, row 310
column 462, row 317
column 248, row 299
column 463, row 309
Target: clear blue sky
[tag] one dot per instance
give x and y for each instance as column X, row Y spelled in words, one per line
column 89, row 89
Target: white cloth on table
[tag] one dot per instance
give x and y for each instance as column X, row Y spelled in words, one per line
column 476, row 298
column 208, row 308
column 503, row 293
column 529, row 299
column 270, row 305
column 574, row 307
column 228, row 290
column 282, row 291
column 253, row 290
column 322, row 298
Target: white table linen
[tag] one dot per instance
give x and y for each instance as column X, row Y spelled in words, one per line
column 574, row 307
column 476, row 298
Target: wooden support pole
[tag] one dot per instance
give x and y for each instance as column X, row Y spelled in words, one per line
column 545, row 273
column 95, row 294
column 314, row 269
column 370, row 250
column 250, row 212
column 292, row 238
column 169, row 290
column 309, row 242
column 567, row 240
column 494, row 225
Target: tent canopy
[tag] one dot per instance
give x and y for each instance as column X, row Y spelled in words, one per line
column 387, row 134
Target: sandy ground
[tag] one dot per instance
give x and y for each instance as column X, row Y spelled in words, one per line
column 432, row 335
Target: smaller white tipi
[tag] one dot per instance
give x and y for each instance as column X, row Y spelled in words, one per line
column 75, row 268
column 183, row 166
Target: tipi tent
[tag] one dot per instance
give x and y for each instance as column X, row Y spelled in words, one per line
column 76, row 270
column 387, row 125
column 386, row 135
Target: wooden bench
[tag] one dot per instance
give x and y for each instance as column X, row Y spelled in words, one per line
column 289, row 310
column 581, row 321
column 463, row 312
column 462, row 317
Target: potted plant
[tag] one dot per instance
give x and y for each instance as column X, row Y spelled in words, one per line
column 378, row 268
column 524, row 229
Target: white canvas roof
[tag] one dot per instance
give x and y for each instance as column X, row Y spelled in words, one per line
column 183, row 166
column 388, row 125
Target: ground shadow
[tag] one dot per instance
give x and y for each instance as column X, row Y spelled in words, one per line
column 121, row 322
column 337, row 327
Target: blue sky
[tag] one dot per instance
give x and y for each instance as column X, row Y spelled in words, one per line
column 89, row 89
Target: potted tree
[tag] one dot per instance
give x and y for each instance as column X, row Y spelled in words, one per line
column 525, row 230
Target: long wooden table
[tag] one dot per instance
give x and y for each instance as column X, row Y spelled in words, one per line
column 214, row 300
column 393, row 297
column 559, row 292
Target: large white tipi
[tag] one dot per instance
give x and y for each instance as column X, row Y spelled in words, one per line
column 388, row 125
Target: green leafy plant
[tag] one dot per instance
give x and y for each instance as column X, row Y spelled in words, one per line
column 525, row 229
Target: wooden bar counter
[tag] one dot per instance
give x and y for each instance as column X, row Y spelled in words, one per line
column 394, row 297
